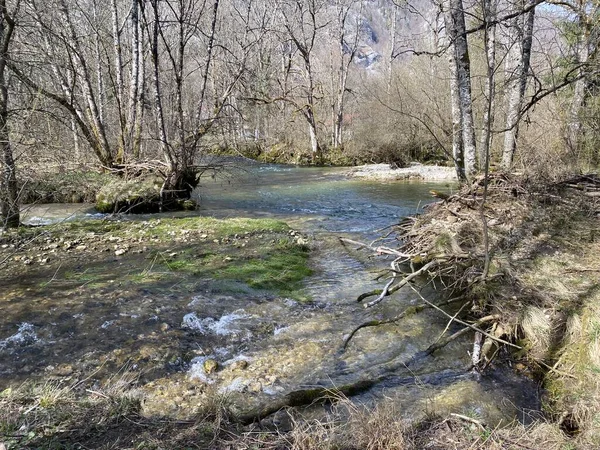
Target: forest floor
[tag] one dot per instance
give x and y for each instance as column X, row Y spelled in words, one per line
column 541, row 283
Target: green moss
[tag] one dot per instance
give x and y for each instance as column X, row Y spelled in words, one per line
column 130, row 196
column 281, row 272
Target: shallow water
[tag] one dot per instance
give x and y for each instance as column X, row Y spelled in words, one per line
column 167, row 332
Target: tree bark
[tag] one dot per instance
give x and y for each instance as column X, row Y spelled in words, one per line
column 463, row 67
column 9, row 205
column 133, row 119
column 520, row 37
column 489, row 9
column 457, row 118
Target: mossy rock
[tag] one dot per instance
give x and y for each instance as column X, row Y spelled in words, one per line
column 140, row 195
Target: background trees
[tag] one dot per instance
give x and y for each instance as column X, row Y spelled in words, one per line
column 153, row 85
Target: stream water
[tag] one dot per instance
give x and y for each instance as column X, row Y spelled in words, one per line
column 285, row 345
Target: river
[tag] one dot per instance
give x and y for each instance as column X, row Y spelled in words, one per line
column 287, row 345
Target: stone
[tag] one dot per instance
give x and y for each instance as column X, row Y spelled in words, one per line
column 240, row 364
column 210, row 366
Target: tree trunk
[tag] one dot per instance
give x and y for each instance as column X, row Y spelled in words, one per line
column 573, row 135
column 520, row 36
column 9, row 205
column 457, row 118
column 463, row 66
column 132, row 124
column 490, row 8
column 80, row 64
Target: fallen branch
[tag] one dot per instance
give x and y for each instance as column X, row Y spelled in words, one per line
column 400, row 284
column 473, row 327
column 379, row 250
column 469, row 419
column 407, row 312
column 440, row 344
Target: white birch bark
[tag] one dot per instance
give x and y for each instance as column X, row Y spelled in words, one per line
column 463, row 65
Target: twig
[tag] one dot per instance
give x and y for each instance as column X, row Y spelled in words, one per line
column 99, row 394
column 408, row 311
column 555, row 370
column 473, row 327
column 469, row 419
column 403, row 282
column 380, row 250
column 438, row 345
column 450, row 322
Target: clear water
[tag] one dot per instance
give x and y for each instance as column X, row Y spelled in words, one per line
column 288, row 345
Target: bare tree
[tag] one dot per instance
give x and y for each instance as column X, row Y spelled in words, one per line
column 519, row 41
column 347, row 34
column 489, row 8
column 9, row 205
column 587, row 31
column 302, row 23
column 460, row 73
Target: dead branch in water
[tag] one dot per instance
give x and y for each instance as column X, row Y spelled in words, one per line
column 379, row 250
column 473, row 327
column 441, row 344
column 407, row 312
column 388, row 291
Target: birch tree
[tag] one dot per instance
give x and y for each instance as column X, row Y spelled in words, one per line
column 489, row 8
column 517, row 62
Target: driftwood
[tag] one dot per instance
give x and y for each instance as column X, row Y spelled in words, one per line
column 379, row 250
column 442, row 343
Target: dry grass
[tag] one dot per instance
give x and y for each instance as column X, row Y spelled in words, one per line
column 544, row 281
column 537, row 327
column 106, row 416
